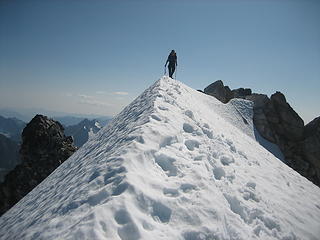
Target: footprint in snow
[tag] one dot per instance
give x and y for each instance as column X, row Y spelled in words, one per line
column 226, row 159
column 163, row 108
column 187, row 187
column 218, row 173
column 188, row 128
column 167, row 141
column 99, row 197
column 192, row 144
column 199, row 158
column 128, row 229
column 170, row 192
column 122, row 187
column 94, row 176
column 251, row 185
column 155, row 117
column 166, row 164
column 207, row 132
column 114, row 175
column 233, row 148
column 249, row 192
column 122, row 217
column 194, row 130
column 230, row 144
column 177, row 90
column 189, row 114
column 159, row 211
column 194, row 235
column 243, row 154
column 206, row 125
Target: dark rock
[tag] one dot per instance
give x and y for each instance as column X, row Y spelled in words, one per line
column 311, row 146
column 241, row 93
column 291, row 123
column 43, row 149
column 277, row 122
column 275, row 119
column 259, row 100
column 219, row 91
column 312, row 127
column 224, row 93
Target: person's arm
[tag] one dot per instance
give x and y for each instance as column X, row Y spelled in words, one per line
column 167, row 62
column 176, row 61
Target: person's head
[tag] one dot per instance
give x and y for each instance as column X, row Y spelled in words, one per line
column 173, row 52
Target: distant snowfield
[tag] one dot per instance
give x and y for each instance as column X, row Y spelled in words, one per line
column 174, row 164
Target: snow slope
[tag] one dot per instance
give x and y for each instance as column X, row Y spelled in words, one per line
column 174, row 164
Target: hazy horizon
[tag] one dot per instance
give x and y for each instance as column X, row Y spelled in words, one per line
column 96, row 57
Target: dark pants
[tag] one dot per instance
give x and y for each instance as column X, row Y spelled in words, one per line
column 172, row 68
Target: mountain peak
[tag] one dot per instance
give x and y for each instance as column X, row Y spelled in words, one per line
column 43, row 149
column 174, row 164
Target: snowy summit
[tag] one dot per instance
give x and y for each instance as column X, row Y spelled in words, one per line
column 174, row 164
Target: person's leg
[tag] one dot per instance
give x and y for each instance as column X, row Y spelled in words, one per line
column 170, row 70
column 173, row 69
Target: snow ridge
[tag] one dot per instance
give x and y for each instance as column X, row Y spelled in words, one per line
column 174, row 164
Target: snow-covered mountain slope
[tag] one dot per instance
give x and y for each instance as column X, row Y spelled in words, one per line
column 174, row 164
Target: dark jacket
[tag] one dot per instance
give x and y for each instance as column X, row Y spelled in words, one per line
column 172, row 59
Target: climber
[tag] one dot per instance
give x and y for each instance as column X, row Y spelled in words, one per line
column 172, row 59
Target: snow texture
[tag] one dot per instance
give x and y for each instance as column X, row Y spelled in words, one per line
column 174, row 164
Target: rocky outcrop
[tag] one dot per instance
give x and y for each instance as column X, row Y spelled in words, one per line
column 275, row 119
column 219, row 91
column 224, row 93
column 311, row 147
column 277, row 122
column 44, row 147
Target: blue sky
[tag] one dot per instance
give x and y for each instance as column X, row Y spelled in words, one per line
column 96, row 56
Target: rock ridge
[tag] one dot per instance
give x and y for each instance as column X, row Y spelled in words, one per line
column 277, row 122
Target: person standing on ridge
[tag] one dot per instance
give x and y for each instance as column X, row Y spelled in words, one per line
column 172, row 59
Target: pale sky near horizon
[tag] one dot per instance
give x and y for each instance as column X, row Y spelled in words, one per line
column 96, row 56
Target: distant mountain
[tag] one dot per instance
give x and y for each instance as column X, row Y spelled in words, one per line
column 83, row 131
column 27, row 114
column 10, row 113
column 73, row 120
column 12, row 128
column 69, row 120
column 9, row 155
